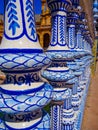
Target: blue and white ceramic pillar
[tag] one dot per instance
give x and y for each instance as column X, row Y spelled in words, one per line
column 59, row 15
column 69, row 115
column 20, row 36
column 23, row 95
column 56, row 115
column 80, row 49
column 57, row 77
column 78, row 38
column 57, row 50
column 72, row 17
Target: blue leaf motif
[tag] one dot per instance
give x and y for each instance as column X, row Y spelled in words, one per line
column 29, row 8
column 12, row 11
column 12, row 16
column 13, row 26
column 11, row 5
column 29, row 2
column 55, row 30
column 30, row 16
column 31, row 25
column 62, row 36
column 29, row 19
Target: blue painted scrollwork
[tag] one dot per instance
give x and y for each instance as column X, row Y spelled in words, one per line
column 22, row 79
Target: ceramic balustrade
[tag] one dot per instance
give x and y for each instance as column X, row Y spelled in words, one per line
column 23, row 94
column 59, row 51
column 81, row 57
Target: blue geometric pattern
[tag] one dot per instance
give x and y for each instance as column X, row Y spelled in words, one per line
column 61, row 5
column 71, row 42
column 25, row 102
column 61, row 28
column 79, row 40
column 2, row 127
column 58, row 31
column 20, row 20
column 57, row 76
column 12, row 16
column 78, row 123
column 60, row 95
column 61, row 54
column 56, row 111
column 54, row 31
column 58, row 21
column 43, row 125
column 22, row 61
column 30, row 19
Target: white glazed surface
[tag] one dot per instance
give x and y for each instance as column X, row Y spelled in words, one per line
column 22, row 125
column 58, row 68
column 21, row 87
column 23, row 43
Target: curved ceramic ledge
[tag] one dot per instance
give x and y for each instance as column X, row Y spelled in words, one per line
column 61, row 54
column 73, row 66
column 57, row 74
column 42, row 123
column 77, row 72
column 23, row 61
column 68, row 116
column 66, row 54
column 22, row 89
column 23, row 126
column 60, row 94
column 24, row 98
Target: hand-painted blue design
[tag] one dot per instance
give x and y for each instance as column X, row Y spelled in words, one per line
column 61, row 5
column 62, row 54
column 2, row 127
column 56, row 112
column 43, row 124
column 26, row 78
column 62, row 30
column 23, row 61
column 79, row 40
column 59, row 95
column 30, row 16
column 32, row 101
column 58, row 31
column 71, row 32
column 56, row 117
column 13, row 26
column 12, row 16
column 54, row 31
column 26, row 116
column 52, row 75
column 77, row 125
